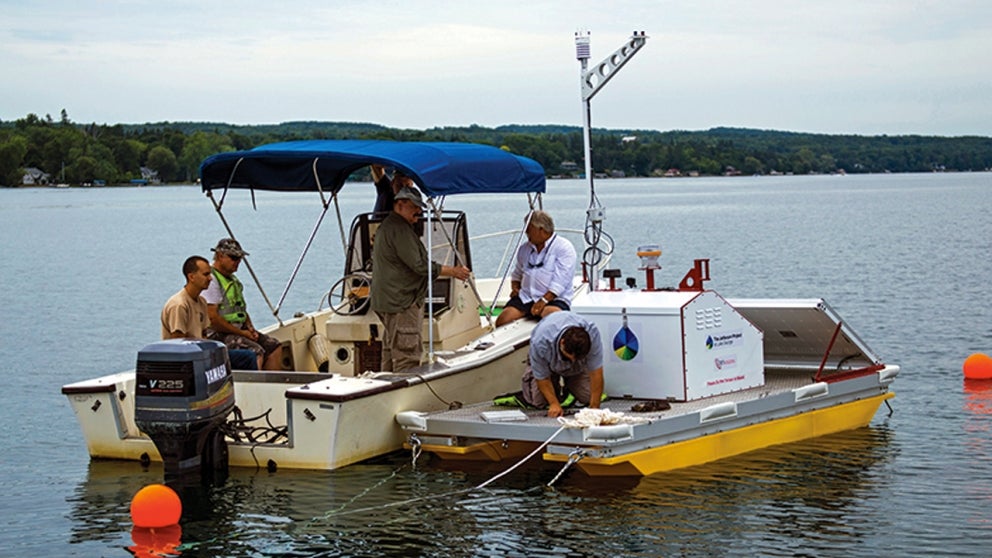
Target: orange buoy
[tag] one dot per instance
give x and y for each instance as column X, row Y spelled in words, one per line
column 978, row 366
column 156, row 505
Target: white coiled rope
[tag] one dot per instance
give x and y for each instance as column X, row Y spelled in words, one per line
column 599, row 417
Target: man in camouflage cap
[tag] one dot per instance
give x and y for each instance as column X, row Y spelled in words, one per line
column 229, row 319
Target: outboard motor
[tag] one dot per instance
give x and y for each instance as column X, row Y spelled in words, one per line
column 183, row 394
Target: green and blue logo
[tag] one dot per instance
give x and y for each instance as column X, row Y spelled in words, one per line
column 625, row 343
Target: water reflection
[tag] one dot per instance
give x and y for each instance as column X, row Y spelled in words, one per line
column 977, row 452
column 978, row 396
column 99, row 506
column 807, row 492
column 156, row 542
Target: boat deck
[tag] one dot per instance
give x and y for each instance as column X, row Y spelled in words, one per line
column 788, row 400
column 470, row 420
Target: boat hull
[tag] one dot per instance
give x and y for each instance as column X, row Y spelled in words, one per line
column 689, row 453
column 328, row 420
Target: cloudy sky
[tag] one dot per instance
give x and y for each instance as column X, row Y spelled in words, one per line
column 839, row 66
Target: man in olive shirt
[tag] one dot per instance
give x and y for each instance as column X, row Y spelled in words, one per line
column 399, row 284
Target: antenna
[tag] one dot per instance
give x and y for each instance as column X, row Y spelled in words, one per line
column 594, row 80
column 591, row 81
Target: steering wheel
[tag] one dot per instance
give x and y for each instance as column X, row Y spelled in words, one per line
column 350, row 294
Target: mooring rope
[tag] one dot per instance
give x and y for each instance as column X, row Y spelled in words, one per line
column 340, row 510
column 522, row 461
column 573, row 458
column 583, row 419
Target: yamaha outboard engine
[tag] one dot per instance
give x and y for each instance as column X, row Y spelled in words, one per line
column 183, row 394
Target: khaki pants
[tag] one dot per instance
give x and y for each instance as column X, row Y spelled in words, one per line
column 576, row 385
column 402, row 347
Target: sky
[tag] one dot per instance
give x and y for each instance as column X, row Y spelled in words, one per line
column 866, row 67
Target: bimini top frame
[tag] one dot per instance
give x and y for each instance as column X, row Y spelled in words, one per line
column 323, row 166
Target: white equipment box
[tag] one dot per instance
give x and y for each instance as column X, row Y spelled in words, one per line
column 679, row 345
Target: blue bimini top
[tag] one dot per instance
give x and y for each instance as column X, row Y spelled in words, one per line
column 438, row 168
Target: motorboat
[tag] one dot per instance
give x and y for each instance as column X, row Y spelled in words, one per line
column 331, row 404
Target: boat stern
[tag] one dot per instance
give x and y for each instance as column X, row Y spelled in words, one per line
column 104, row 407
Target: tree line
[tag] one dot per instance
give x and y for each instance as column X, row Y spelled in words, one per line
column 172, row 151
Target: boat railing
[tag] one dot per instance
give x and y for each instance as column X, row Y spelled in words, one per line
column 356, row 257
column 505, row 264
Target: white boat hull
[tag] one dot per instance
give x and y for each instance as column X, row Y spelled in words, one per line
column 330, row 420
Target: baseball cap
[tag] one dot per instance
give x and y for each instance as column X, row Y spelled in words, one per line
column 230, row 247
column 408, row 193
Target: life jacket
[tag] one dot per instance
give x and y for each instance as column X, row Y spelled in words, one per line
column 232, row 308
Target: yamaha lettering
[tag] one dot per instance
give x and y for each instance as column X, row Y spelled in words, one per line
column 216, row 374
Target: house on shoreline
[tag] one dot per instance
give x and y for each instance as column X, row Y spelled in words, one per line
column 35, row 177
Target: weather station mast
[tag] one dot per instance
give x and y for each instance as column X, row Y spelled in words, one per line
column 591, row 82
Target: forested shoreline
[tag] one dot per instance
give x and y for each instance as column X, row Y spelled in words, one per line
column 51, row 151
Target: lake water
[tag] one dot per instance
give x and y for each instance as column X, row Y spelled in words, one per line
column 905, row 259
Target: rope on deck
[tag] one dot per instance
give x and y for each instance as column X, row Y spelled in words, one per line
column 599, row 417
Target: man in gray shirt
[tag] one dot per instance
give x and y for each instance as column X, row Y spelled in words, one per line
column 564, row 347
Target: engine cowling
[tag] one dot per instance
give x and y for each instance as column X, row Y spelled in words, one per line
column 183, row 393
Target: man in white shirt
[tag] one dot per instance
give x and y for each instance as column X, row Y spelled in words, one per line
column 541, row 282
column 229, row 320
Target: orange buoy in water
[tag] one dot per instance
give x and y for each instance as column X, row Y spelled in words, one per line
column 156, row 505
column 978, row 366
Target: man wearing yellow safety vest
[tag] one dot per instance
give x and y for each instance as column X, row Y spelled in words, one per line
column 186, row 315
column 229, row 319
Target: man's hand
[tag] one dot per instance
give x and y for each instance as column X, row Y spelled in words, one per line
column 458, row 272
column 548, row 391
column 538, row 307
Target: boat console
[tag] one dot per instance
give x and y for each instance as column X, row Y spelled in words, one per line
column 452, row 320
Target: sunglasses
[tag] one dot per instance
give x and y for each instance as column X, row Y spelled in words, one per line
column 235, row 258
